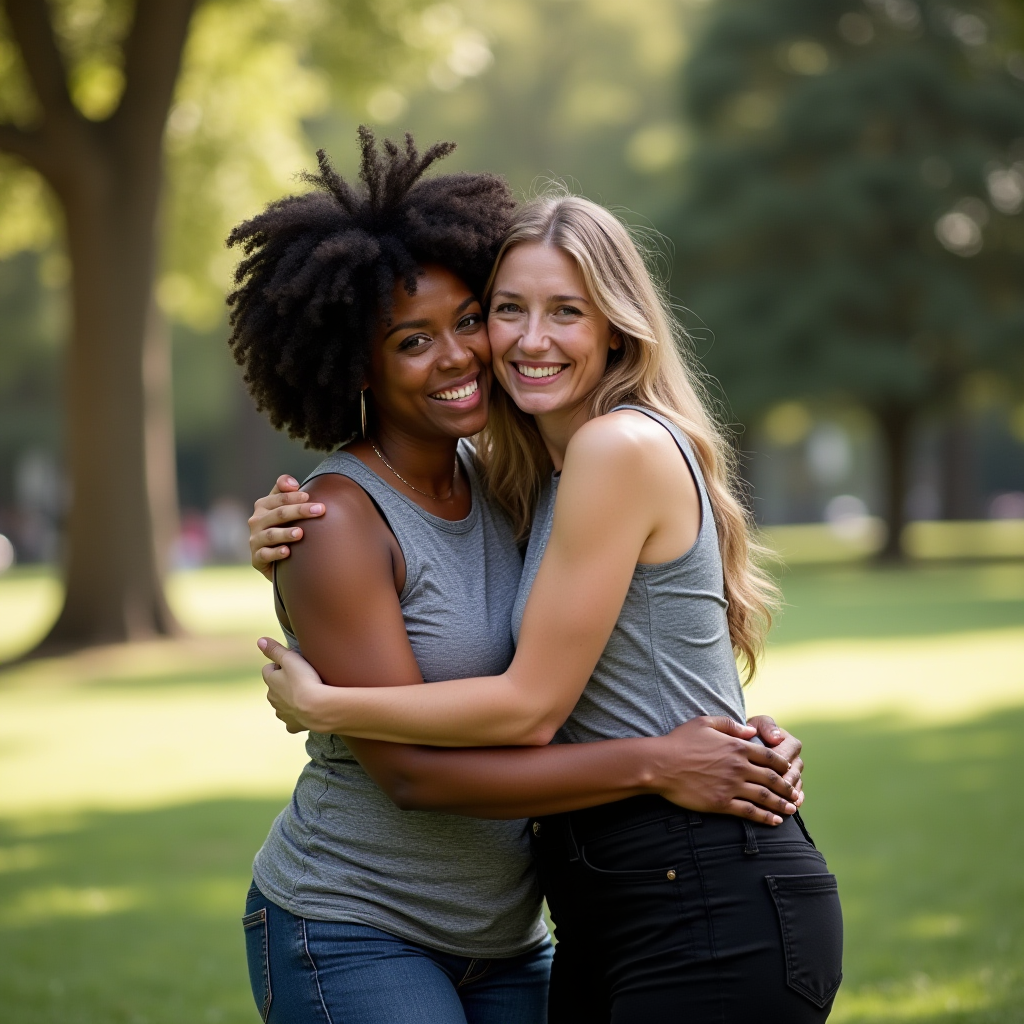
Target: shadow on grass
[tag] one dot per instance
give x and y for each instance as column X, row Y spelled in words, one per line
column 129, row 918
column 134, row 917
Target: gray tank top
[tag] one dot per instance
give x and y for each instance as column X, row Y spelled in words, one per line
column 341, row 850
column 669, row 657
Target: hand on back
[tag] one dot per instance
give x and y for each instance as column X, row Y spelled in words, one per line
column 269, row 534
column 709, row 764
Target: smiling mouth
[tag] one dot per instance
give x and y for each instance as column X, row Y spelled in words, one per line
column 534, row 372
column 456, row 394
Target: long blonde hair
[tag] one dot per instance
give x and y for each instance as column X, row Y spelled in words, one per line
column 650, row 371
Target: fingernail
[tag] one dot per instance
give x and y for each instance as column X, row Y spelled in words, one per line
column 293, row 481
column 262, row 643
column 777, row 820
column 316, row 509
column 790, row 809
column 296, row 533
column 776, row 732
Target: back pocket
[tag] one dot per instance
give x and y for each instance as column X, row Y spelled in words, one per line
column 258, row 957
column 812, row 933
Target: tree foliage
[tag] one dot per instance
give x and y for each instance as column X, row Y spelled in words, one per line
column 852, row 216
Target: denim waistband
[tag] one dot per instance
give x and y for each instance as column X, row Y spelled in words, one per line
column 580, row 827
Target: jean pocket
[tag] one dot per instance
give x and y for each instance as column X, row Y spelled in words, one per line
column 811, row 920
column 257, row 955
column 642, row 853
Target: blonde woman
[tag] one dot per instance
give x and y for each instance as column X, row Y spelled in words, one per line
column 637, row 596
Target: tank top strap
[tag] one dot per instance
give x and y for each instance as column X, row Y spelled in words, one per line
column 683, row 444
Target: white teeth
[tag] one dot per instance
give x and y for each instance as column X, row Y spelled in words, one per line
column 538, row 371
column 455, row 394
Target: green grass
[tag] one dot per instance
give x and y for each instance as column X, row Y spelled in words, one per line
column 128, row 918
column 922, row 600
column 130, row 914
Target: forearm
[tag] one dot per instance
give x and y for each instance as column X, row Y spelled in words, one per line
column 483, row 711
column 512, row 782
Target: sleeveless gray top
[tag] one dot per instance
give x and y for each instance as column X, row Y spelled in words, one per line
column 669, row 657
column 341, row 850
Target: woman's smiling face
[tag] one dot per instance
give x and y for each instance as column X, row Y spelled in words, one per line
column 549, row 339
column 430, row 363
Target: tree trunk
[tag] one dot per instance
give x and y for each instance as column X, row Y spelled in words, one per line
column 114, row 580
column 108, row 177
column 895, row 422
column 959, row 484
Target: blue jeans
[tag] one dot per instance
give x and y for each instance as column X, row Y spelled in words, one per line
column 325, row 972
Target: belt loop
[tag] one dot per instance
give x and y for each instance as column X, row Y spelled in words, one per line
column 570, row 840
column 803, row 828
column 751, row 846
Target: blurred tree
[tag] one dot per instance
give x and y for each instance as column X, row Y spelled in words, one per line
column 85, row 91
column 850, row 224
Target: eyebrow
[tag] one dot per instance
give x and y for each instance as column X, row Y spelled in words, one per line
column 407, row 325
column 551, row 298
column 410, row 324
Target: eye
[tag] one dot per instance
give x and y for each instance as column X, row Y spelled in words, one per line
column 568, row 311
column 508, row 307
column 469, row 321
column 414, row 342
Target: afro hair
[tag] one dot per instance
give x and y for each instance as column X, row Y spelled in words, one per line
column 319, row 272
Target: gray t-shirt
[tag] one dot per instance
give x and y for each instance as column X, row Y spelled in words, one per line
column 341, row 850
column 669, row 657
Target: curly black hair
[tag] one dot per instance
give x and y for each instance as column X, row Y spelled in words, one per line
column 319, row 273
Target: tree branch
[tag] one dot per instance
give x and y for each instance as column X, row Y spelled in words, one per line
column 33, row 32
column 152, row 59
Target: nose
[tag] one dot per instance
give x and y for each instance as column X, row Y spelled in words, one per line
column 455, row 352
column 534, row 341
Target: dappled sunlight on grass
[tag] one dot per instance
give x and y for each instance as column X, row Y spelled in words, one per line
column 921, row 998
column 130, row 743
column 936, row 678
column 29, row 603
column 130, row 917
column 137, row 783
column 218, row 601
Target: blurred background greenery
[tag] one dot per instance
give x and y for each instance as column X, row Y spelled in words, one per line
column 832, row 190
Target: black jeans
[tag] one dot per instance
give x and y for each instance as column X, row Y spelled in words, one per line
column 668, row 916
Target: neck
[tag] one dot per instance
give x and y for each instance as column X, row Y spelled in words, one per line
column 427, row 463
column 556, row 430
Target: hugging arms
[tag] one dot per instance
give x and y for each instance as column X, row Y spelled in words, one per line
column 345, row 593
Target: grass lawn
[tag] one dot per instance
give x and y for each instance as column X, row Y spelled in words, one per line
column 135, row 787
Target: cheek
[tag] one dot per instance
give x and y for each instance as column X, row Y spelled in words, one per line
column 482, row 348
column 503, row 338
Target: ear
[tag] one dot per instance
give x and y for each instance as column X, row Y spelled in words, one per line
column 616, row 341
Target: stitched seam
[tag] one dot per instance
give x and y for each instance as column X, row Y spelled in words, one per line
column 704, row 896
column 316, row 973
column 307, row 853
column 469, row 976
column 654, row 661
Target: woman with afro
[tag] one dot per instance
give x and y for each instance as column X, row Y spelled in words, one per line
column 358, row 321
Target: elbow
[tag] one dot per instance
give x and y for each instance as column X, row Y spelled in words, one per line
column 405, row 796
column 409, row 788
column 538, row 734
column 403, row 789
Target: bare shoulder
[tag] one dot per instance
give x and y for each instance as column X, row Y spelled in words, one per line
column 624, row 443
column 350, row 522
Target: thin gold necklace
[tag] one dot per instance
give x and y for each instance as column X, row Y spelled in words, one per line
column 426, row 494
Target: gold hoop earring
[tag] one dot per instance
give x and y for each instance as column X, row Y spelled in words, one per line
column 362, row 410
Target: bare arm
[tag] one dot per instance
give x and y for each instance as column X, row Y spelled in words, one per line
column 702, row 765
column 340, row 590
column 611, row 503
